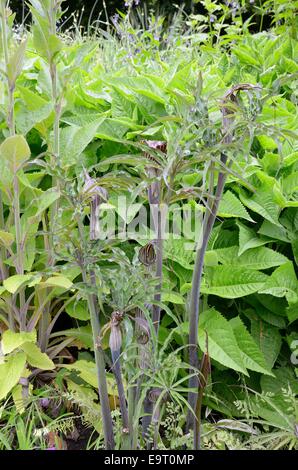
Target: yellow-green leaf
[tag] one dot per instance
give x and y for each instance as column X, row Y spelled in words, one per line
column 36, row 358
column 10, row 373
column 15, row 151
column 12, row 340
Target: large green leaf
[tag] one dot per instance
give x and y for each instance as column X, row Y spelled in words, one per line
column 254, row 258
column 6, row 238
column 45, row 200
column 36, row 358
column 15, row 151
column 12, row 340
column 262, row 203
column 248, row 239
column 10, row 372
column 13, row 283
column 74, row 140
column 179, row 250
column 284, row 377
column 282, row 282
column 78, row 309
column 230, row 206
column 83, row 335
column 267, row 338
column 222, row 344
column 231, row 282
column 251, row 355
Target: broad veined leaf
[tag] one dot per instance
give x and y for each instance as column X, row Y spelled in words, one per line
column 113, row 129
column 248, row 239
column 48, row 45
column 78, row 309
column 11, row 372
column 6, row 238
column 268, row 339
column 13, row 283
column 292, row 312
column 264, row 313
column 262, row 203
column 87, row 371
column 284, row 377
column 15, row 151
column 82, row 336
column 12, row 340
column 251, row 355
column 74, row 140
column 36, row 358
column 232, row 282
column 290, row 183
column 58, row 281
column 273, row 231
column 26, row 119
column 222, row 344
column 173, row 297
column 15, row 64
column 45, row 200
column 179, row 250
column 230, row 206
column 255, row 258
column 282, row 282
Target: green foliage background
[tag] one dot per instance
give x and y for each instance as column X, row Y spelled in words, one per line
column 73, row 104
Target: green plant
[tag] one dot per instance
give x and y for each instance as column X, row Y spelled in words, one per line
column 191, row 124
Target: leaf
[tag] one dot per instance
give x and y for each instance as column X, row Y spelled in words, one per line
column 255, row 258
column 284, row 377
column 267, row 338
column 10, row 373
column 48, row 45
column 248, row 239
column 251, row 355
column 292, row 312
column 230, row 206
column 282, row 282
column 172, row 297
column 6, row 238
column 78, row 309
column 74, row 140
column 179, row 250
column 58, row 281
column 15, row 151
column 231, row 282
column 262, row 202
column 12, row 340
column 222, row 344
column 15, row 64
column 13, row 283
column 273, row 231
column 36, row 358
column 83, row 335
column 86, row 370
column 45, row 200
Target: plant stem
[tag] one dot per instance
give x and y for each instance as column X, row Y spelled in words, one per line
column 208, row 224
column 101, row 371
column 116, row 367
column 98, row 352
column 159, row 262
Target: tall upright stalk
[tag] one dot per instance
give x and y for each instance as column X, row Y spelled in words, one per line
column 98, row 351
column 3, row 268
column 208, row 223
column 11, row 77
